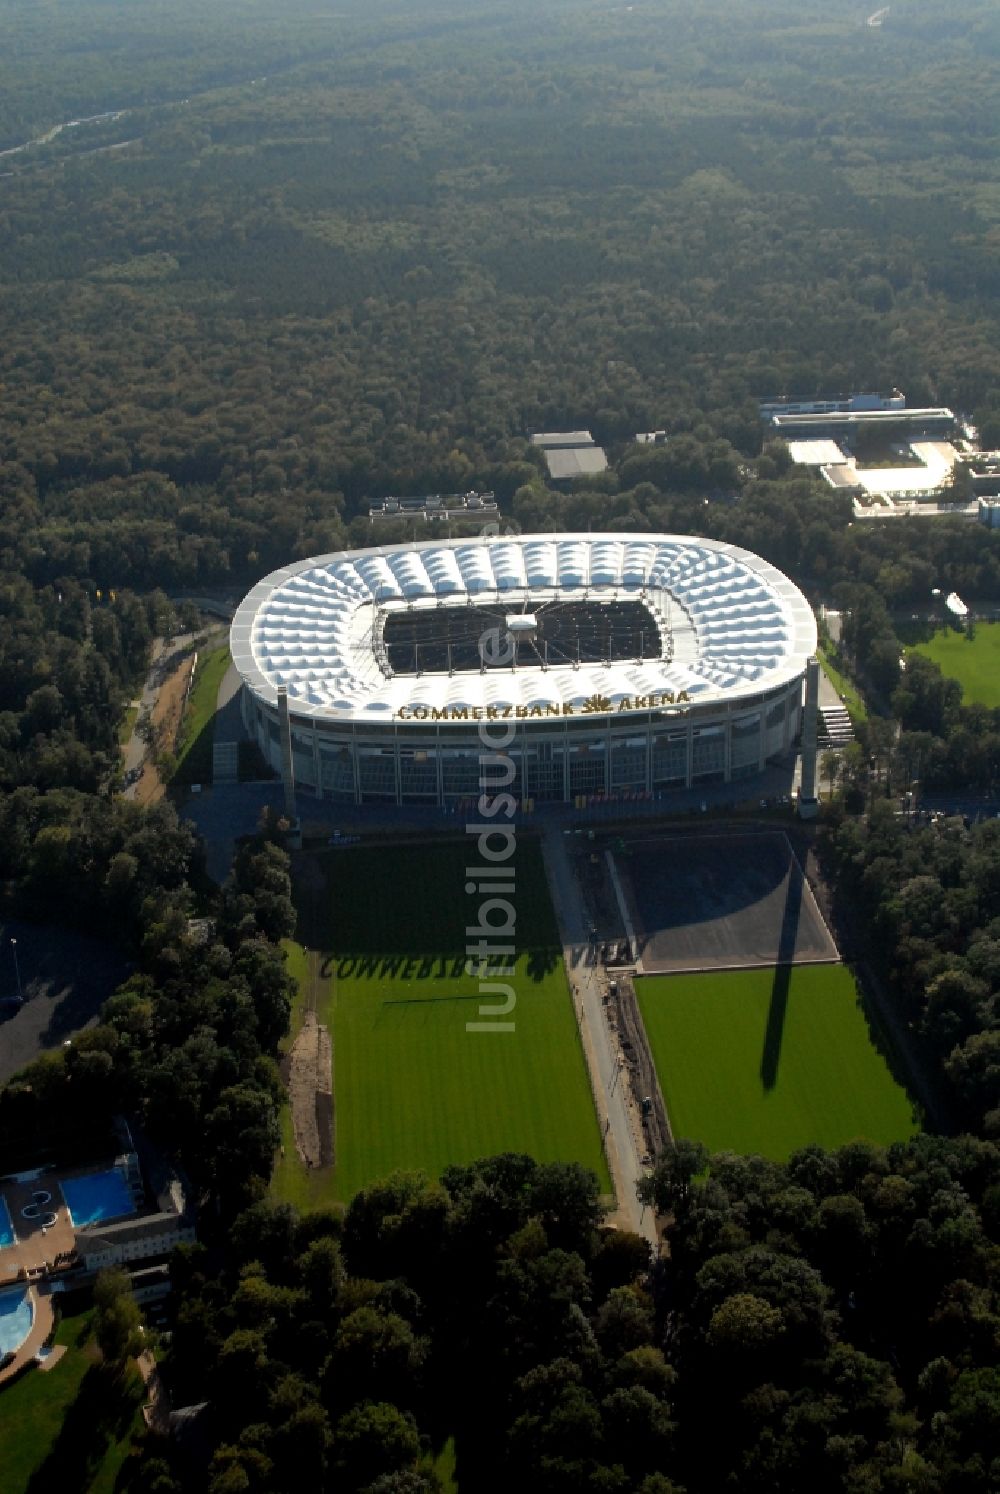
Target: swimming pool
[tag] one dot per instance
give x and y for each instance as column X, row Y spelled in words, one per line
column 6, row 1228
column 16, row 1317
column 97, row 1196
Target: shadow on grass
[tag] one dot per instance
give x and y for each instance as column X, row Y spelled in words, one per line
column 102, row 1413
column 896, row 1062
column 196, row 764
column 778, row 1008
column 922, row 630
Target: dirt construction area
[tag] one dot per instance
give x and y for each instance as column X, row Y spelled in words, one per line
column 165, row 717
column 719, row 902
column 310, row 1092
column 308, row 1067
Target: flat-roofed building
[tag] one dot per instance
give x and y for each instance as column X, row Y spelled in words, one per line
column 784, row 404
column 581, row 461
column 561, row 440
column 844, row 425
column 815, row 453
column 570, row 454
column 984, row 474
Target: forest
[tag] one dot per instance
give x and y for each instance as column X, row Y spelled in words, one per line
column 260, row 265
column 271, row 295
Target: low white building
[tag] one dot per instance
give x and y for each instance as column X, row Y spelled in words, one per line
column 100, row 1246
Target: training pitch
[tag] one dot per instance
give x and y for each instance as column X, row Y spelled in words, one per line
column 413, row 1089
column 720, row 901
column 766, row 1061
column 974, row 662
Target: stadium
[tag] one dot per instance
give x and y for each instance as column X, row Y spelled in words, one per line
column 604, row 664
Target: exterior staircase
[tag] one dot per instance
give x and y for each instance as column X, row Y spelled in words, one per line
column 835, row 729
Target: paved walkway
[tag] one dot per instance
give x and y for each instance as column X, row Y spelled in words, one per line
column 615, row 1109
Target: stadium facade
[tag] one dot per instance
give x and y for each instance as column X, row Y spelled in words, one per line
column 603, row 664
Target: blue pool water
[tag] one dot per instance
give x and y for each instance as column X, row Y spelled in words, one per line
column 6, row 1228
column 15, row 1320
column 97, row 1196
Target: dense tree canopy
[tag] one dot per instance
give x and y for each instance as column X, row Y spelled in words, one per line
column 827, row 1324
column 259, row 265
column 367, row 252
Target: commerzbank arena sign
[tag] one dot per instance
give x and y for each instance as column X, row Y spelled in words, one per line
column 594, row 705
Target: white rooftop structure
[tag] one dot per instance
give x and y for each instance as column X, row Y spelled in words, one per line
column 849, row 420
column 561, row 440
column 816, row 453
column 736, row 626
column 937, row 459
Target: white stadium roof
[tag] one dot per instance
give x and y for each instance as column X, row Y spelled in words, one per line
column 738, row 625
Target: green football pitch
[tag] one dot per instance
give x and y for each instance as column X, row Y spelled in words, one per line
column 974, row 662
column 413, row 1089
column 770, row 1060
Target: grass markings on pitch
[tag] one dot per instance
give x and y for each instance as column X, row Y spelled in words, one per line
column 731, row 1081
column 412, row 1088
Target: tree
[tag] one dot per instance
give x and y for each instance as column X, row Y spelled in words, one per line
column 974, row 1068
column 372, row 1441
column 744, row 1325
column 624, row 1322
column 375, row 1353
column 829, row 768
column 668, row 1186
column 117, row 1319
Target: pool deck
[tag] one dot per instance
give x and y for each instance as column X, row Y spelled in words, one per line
column 36, row 1246
column 41, row 1327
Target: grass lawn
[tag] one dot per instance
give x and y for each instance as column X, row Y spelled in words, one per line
column 413, row 1088
column 126, row 725
column 444, row 1465
column 974, row 662
column 848, row 692
column 194, row 744
column 767, row 1061
column 70, row 1420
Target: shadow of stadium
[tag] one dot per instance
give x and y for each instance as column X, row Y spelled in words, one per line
column 778, row 1008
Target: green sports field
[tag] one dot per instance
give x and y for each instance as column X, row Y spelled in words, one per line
column 413, row 1088
column 974, row 662
column 765, row 1061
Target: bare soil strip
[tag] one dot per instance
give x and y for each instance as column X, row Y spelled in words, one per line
column 310, row 1093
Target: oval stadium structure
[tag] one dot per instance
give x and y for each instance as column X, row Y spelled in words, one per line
column 604, row 664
